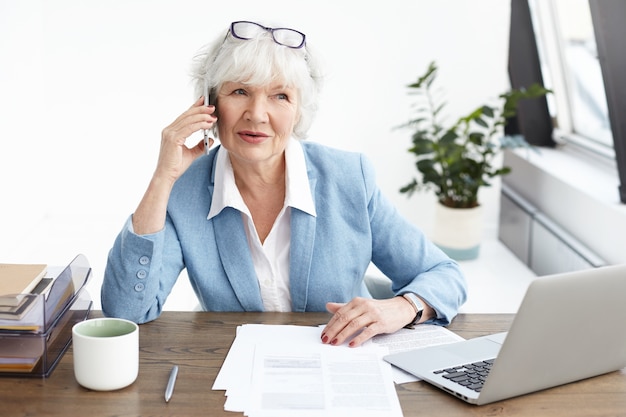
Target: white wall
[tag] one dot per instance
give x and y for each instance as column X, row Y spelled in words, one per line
column 87, row 86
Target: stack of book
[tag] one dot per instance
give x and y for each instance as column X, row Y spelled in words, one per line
column 16, row 281
column 37, row 313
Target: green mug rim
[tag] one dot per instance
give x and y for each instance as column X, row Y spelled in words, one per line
column 124, row 328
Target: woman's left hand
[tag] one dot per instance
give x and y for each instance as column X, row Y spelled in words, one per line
column 364, row 318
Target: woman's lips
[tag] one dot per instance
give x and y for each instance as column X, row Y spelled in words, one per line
column 252, row 137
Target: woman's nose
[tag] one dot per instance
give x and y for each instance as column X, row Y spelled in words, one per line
column 257, row 110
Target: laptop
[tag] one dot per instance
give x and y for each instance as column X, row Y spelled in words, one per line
column 569, row 326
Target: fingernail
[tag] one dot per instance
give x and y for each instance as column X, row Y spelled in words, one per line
column 351, row 344
column 324, row 338
column 333, row 342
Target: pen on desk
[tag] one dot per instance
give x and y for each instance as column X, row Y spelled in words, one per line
column 169, row 390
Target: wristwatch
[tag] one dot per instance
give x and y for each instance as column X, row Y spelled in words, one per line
column 417, row 305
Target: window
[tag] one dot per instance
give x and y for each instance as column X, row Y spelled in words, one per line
column 569, row 61
column 581, row 51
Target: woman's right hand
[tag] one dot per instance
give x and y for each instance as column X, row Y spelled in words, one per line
column 175, row 157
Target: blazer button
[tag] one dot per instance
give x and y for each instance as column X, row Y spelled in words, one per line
column 144, row 260
column 139, row 287
column 141, row 274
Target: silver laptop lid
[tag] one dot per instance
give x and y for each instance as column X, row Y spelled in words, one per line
column 569, row 327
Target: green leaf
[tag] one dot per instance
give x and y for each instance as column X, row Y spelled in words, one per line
column 421, row 147
column 481, row 122
column 488, row 111
column 449, row 137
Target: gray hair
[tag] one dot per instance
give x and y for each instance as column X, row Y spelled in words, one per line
column 261, row 61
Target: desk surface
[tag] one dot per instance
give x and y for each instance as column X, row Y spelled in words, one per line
column 198, row 342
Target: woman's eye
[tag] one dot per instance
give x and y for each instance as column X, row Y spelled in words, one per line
column 282, row 96
column 239, row 92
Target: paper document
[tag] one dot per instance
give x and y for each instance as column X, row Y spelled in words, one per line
column 281, row 370
column 286, row 370
column 321, row 380
column 408, row 339
column 235, row 375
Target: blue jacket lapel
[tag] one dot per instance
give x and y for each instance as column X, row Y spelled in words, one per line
column 301, row 255
column 235, row 257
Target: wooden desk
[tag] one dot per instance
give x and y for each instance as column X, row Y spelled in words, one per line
column 198, row 342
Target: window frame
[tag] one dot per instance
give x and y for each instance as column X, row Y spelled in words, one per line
column 524, row 59
column 608, row 25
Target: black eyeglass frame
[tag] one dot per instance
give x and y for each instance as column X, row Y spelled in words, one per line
column 271, row 30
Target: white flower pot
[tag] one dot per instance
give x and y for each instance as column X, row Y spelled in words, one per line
column 458, row 232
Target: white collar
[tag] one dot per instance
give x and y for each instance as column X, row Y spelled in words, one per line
column 297, row 192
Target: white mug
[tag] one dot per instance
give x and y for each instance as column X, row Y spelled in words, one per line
column 106, row 353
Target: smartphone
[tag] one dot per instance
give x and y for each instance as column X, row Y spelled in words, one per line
column 209, row 100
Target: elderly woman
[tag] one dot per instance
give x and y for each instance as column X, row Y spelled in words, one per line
column 266, row 221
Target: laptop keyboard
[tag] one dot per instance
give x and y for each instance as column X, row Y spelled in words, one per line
column 471, row 375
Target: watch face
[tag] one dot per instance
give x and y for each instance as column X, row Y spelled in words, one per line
column 415, row 301
column 417, row 304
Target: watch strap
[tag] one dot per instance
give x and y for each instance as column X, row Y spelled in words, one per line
column 417, row 306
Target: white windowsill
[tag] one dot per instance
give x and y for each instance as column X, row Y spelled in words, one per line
column 576, row 190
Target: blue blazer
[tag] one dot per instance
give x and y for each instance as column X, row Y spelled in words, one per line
column 329, row 256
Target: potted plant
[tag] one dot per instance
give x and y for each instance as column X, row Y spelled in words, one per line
column 455, row 161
